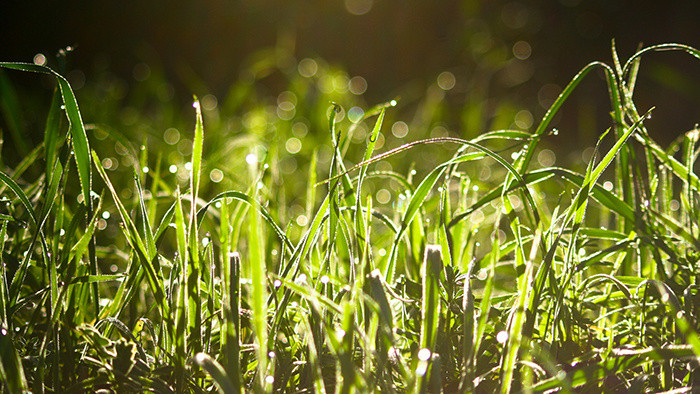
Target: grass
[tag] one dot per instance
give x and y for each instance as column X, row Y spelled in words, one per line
column 209, row 260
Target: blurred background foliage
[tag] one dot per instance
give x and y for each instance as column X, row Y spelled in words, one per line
column 267, row 71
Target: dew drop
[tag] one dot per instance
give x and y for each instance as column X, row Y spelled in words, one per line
column 424, row 354
column 502, row 337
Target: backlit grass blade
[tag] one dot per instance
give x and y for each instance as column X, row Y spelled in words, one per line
column 138, row 245
column 661, row 47
column 216, row 371
column 258, row 296
column 359, row 225
column 669, row 161
column 414, row 205
column 263, row 212
column 466, row 383
column 515, row 332
column 81, row 147
column 4, row 295
column 485, row 305
column 430, row 309
column 524, row 160
column 20, row 275
column 181, row 342
column 232, row 326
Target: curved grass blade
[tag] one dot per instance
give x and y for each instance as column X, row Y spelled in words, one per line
column 662, row 47
column 240, row 196
column 216, row 371
column 80, row 141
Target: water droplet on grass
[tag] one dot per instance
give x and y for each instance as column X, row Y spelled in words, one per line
column 424, row 354
column 502, row 337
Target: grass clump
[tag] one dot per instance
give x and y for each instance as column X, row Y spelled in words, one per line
column 131, row 272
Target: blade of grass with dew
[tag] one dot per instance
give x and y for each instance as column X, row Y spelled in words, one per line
column 258, row 296
column 489, row 281
column 515, row 333
column 466, row 383
column 376, row 110
column 443, row 234
column 524, row 159
column 414, row 204
column 194, row 309
column 21, row 272
column 4, row 295
column 138, row 246
column 430, row 309
column 181, row 342
column 81, row 147
column 262, row 211
column 147, row 229
column 232, row 324
column 658, row 48
column 372, row 141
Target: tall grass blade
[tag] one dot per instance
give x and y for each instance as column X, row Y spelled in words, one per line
column 430, row 309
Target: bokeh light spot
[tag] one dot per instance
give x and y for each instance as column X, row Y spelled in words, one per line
column 171, row 136
column 446, row 80
column 358, row 7
column 383, row 196
column 546, row 158
column 357, row 85
column 355, row 114
column 216, row 175
column 293, row 145
column 209, row 102
column 307, row 67
column 40, row 59
column 399, row 129
column 522, row 50
column 523, row 119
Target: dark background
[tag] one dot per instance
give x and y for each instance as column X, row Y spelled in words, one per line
column 394, row 45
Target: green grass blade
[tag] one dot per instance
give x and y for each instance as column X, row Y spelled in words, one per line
column 412, row 208
column 4, row 294
column 216, row 371
column 81, row 147
column 258, row 296
column 430, row 310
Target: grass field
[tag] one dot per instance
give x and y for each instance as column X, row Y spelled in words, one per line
column 295, row 245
